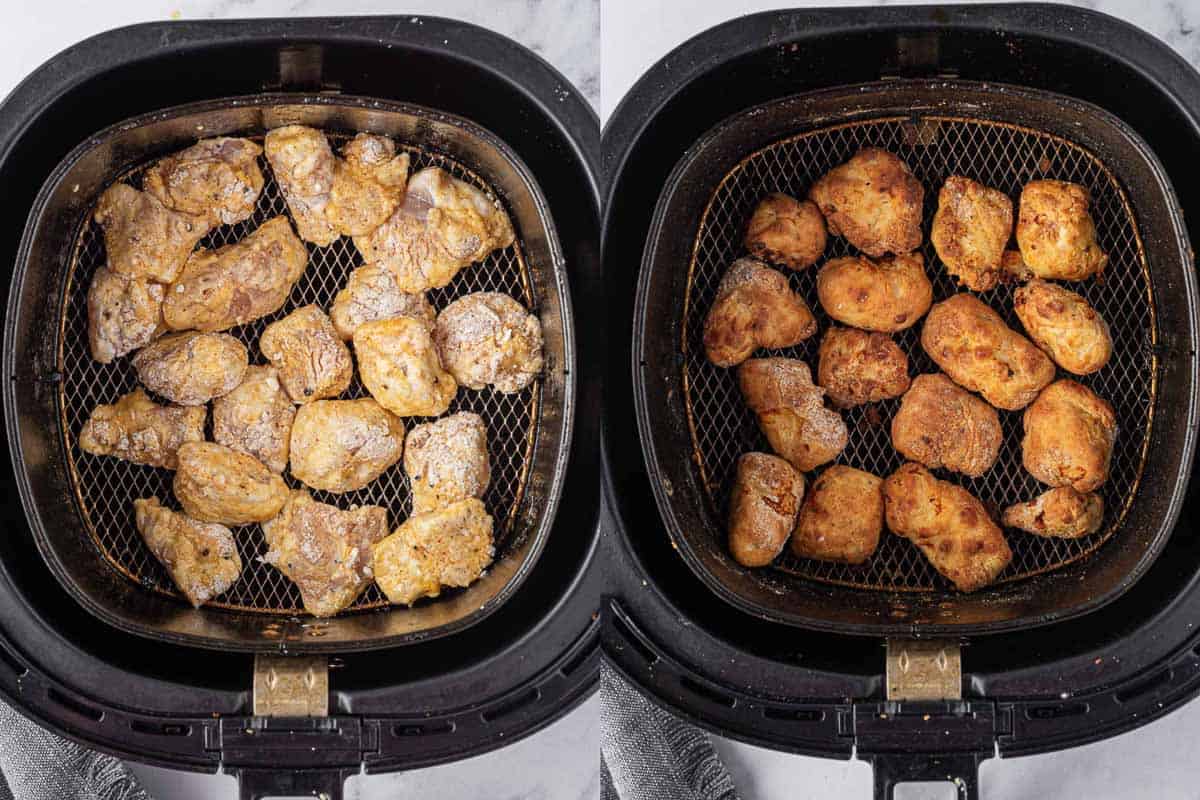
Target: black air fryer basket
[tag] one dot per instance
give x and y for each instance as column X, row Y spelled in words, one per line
column 406, row 688
column 1075, row 642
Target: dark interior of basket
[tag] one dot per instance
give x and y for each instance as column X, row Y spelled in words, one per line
column 105, row 487
column 999, row 155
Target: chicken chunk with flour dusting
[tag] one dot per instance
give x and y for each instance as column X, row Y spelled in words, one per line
column 217, row 484
column 256, row 418
column 342, row 445
column 142, row 237
column 791, row 411
column 312, row 361
column 324, row 550
column 372, row 293
column 202, row 557
column 123, row 314
column 489, row 339
column 137, row 429
column 449, row 547
column 447, row 461
column 218, row 179
column 399, row 364
column 192, row 368
column 442, row 225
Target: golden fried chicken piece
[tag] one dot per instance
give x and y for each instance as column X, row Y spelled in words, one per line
column 940, row 424
column 874, row 201
column 970, row 230
column 371, row 293
column 191, row 368
column 368, row 184
column 1061, row 512
column 202, row 557
column 217, row 484
column 971, row 343
column 142, row 237
column 489, row 339
column 218, row 179
column 123, row 314
column 948, row 523
column 1055, row 231
column 399, row 364
column 754, row 308
column 313, row 362
column 304, row 166
column 857, row 367
column 342, row 445
column 762, row 509
column 887, row 295
column 841, row 518
column 791, row 412
column 237, row 283
column 787, row 231
column 447, row 461
column 442, row 225
column 448, row 547
column 324, row 550
column 1065, row 325
column 137, row 429
column 1069, row 434
column 256, row 418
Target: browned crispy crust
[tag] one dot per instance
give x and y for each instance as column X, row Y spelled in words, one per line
column 874, row 201
column 1055, row 231
column 786, row 231
column 857, row 367
column 971, row 343
column 948, row 523
column 842, row 516
column 1069, row 434
column 754, row 308
column 970, row 230
column 791, row 411
column 1061, row 512
column 886, row 295
column 940, row 424
column 762, row 510
column 1065, row 325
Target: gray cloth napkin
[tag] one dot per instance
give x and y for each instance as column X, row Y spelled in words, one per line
column 38, row 765
column 647, row 753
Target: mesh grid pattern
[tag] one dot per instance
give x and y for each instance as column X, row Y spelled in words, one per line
column 998, row 155
column 106, row 487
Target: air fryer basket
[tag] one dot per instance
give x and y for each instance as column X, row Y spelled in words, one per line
column 1004, row 137
column 80, row 504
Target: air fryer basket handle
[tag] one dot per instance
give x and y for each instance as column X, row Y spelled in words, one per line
column 892, row 769
column 258, row 784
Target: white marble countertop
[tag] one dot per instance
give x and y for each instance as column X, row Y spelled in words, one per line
column 1154, row 761
column 562, row 761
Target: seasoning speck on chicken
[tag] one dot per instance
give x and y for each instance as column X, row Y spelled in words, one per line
column 399, row 364
column 1056, row 233
column 1061, row 512
column 256, row 418
column 217, row 484
column 857, row 367
column 791, row 411
column 215, row 178
column 447, row 461
column 449, row 547
column 342, row 445
column 874, row 201
column 489, row 339
column 842, row 516
column 192, row 368
column 755, row 307
column 201, row 557
column 123, row 314
column 137, row 429
column 767, row 492
column 313, row 362
column 787, row 231
column 970, row 230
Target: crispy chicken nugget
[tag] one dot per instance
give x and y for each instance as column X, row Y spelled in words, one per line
column 1069, row 434
column 1064, row 325
column 970, row 230
column 874, row 201
column 754, row 308
column 842, row 516
column 762, row 510
column 887, row 295
column 787, row 231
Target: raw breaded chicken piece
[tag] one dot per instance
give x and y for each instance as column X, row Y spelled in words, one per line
column 142, row 237
column 303, row 163
column 1055, row 231
column 489, row 339
column 857, row 367
column 137, row 429
column 791, row 411
column 218, row 179
column 755, row 307
column 237, row 283
column 192, row 368
column 217, row 484
column 256, row 418
column 399, row 364
column 1069, row 435
column 948, row 523
column 324, row 550
column 444, row 548
column 942, row 425
column 123, row 314
column 1065, row 325
column 368, row 184
column 342, row 445
column 842, row 516
column 371, row 293
column 970, row 230
column 202, row 557
column 1061, row 512
column 313, row 362
column 787, row 231
column 874, row 201
column 447, row 461
column 762, row 508
column 442, row 225
column 887, row 295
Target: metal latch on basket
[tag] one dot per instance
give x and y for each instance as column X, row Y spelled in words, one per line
column 923, row 669
column 291, row 686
